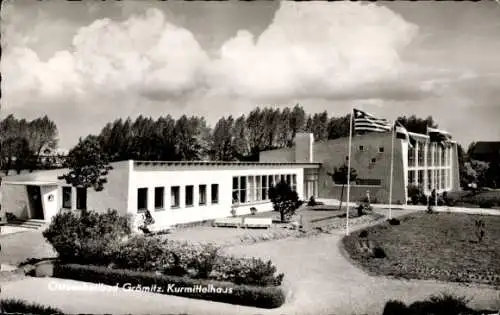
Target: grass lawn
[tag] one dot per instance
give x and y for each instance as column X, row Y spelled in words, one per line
column 439, row 246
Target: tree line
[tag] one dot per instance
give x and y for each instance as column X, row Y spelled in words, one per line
column 23, row 142
column 186, row 138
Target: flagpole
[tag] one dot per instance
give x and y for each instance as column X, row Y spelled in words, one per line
column 349, row 175
column 392, row 170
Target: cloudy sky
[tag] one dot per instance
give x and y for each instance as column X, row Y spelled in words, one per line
column 87, row 63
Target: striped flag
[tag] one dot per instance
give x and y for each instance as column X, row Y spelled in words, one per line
column 365, row 122
column 402, row 133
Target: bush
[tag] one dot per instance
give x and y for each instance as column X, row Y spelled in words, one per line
column 378, row 252
column 394, row 221
column 486, row 204
column 264, row 297
column 251, row 271
column 284, row 199
column 444, row 305
column 16, row 306
column 312, row 202
column 395, row 308
column 91, row 237
column 363, row 234
column 416, row 194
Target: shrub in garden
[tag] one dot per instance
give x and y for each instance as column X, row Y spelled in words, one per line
column 312, row 202
column 264, row 297
column 486, row 204
column 250, row 271
column 394, row 221
column 416, row 194
column 363, row 234
column 16, row 306
column 91, row 237
column 395, row 308
column 444, row 304
column 378, row 252
column 284, row 199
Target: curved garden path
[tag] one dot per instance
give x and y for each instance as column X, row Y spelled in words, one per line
column 321, row 280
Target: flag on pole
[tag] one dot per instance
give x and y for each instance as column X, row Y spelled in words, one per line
column 402, row 133
column 365, row 122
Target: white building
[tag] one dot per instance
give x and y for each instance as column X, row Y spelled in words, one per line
column 174, row 192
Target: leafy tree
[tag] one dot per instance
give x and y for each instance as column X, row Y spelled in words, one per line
column 339, row 177
column 284, row 199
column 476, row 172
column 88, row 165
column 338, row 127
column 297, row 121
column 42, row 135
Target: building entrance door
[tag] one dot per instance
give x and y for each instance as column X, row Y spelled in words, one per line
column 35, row 201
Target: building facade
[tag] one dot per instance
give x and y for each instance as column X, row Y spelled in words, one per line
column 173, row 192
column 426, row 164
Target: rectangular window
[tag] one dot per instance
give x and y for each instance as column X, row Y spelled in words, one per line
column 66, row 192
column 215, row 193
column 270, row 180
column 294, row 182
column 202, row 192
column 289, row 179
column 251, row 188
column 189, row 195
column 159, row 196
column 258, row 183
column 264, row 187
column 368, row 182
column 420, row 153
column 81, row 198
column 361, row 148
column 411, row 177
column 243, row 189
column 276, row 180
column 236, row 191
column 421, row 178
column 429, row 180
column 429, row 155
column 381, row 149
column 175, row 192
column 142, row 199
column 411, row 157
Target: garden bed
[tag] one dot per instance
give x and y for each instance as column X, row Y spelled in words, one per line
column 440, row 246
column 219, row 291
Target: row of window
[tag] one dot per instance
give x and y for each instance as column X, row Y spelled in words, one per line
column 81, row 198
column 436, row 155
column 439, row 177
column 256, row 188
column 175, row 196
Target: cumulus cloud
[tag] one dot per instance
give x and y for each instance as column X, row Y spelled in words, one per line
column 316, row 49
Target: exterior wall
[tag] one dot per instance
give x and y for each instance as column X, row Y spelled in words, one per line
column 369, row 163
column 304, row 152
column 286, row 155
column 115, row 193
column 15, row 200
column 145, row 178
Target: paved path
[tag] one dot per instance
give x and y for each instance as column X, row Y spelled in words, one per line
column 321, row 280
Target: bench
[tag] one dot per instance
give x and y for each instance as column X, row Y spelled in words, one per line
column 228, row 222
column 257, row 222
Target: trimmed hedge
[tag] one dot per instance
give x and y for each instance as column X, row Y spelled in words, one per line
column 264, row 297
column 16, row 306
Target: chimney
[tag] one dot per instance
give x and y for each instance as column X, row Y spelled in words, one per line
column 304, row 148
